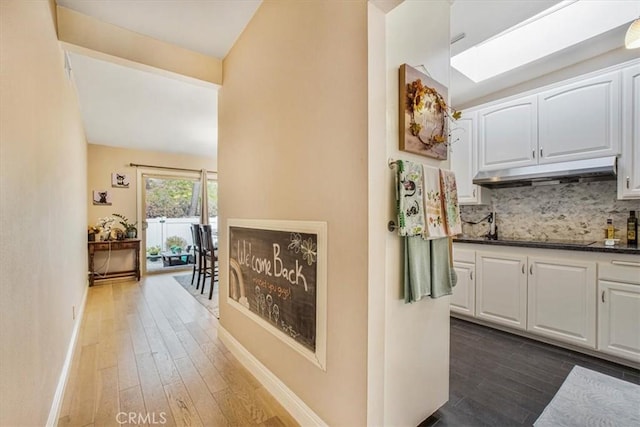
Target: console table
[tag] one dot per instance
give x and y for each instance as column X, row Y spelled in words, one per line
column 114, row 245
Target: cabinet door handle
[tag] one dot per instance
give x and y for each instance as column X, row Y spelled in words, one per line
column 602, row 296
column 627, row 183
column 471, row 274
column 474, row 191
column 541, row 155
column 531, row 269
column 523, row 269
column 533, row 153
column 626, row 263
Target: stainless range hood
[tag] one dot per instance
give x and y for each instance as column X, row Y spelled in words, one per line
column 599, row 169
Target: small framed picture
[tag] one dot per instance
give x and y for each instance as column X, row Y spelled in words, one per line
column 119, row 180
column 101, row 197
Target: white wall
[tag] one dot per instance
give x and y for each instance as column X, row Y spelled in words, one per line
column 377, row 177
column 416, row 335
column 43, row 209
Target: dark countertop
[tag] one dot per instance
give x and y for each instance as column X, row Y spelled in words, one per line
column 553, row 244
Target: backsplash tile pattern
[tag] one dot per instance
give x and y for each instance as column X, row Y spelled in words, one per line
column 576, row 211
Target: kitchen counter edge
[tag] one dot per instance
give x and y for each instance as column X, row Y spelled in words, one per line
column 594, row 247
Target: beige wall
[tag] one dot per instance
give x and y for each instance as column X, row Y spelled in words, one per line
column 293, row 145
column 103, row 160
column 416, row 335
column 42, row 211
column 94, row 37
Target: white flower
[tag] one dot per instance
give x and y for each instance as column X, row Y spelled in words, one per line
column 295, row 241
column 106, row 223
column 309, row 251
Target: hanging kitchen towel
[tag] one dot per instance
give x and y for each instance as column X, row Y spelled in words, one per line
column 427, row 269
column 434, row 217
column 443, row 276
column 450, row 207
column 417, row 268
column 409, row 198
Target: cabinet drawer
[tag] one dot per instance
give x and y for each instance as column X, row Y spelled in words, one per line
column 464, row 255
column 113, row 245
column 100, row 246
column 620, row 271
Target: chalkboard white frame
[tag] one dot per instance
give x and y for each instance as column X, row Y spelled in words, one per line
column 318, row 228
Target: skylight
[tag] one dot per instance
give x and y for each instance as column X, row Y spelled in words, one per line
column 564, row 25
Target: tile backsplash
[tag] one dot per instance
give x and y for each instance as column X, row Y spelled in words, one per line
column 576, row 211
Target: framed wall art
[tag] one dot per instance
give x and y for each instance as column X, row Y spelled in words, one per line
column 424, row 114
column 101, row 197
column 278, row 278
column 119, row 180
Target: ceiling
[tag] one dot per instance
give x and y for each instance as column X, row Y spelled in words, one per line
column 206, row 26
column 126, row 107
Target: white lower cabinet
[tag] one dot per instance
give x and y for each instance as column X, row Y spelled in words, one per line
column 619, row 311
column 561, row 301
column 463, row 299
column 501, row 289
column 569, row 298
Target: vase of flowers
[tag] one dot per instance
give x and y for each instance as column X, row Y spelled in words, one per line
column 130, row 229
column 104, row 226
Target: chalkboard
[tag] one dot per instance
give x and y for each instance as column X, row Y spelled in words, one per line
column 273, row 274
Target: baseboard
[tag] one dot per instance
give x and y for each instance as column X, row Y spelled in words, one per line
column 56, row 405
column 283, row 394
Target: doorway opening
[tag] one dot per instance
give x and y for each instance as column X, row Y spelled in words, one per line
column 170, row 204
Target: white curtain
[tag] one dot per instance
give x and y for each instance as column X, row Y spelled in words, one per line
column 204, row 196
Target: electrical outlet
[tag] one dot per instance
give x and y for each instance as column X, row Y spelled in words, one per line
column 73, row 311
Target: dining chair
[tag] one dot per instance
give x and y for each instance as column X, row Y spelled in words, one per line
column 210, row 258
column 197, row 253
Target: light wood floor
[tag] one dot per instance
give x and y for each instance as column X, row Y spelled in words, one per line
column 148, row 353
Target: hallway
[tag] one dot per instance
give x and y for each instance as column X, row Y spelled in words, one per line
column 148, row 353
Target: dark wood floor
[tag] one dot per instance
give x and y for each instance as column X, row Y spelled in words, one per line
column 500, row 379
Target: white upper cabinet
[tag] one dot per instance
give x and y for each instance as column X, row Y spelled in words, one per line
column 580, row 120
column 508, row 134
column 629, row 164
column 464, row 160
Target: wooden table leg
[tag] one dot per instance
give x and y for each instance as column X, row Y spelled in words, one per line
column 91, row 253
column 138, row 264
